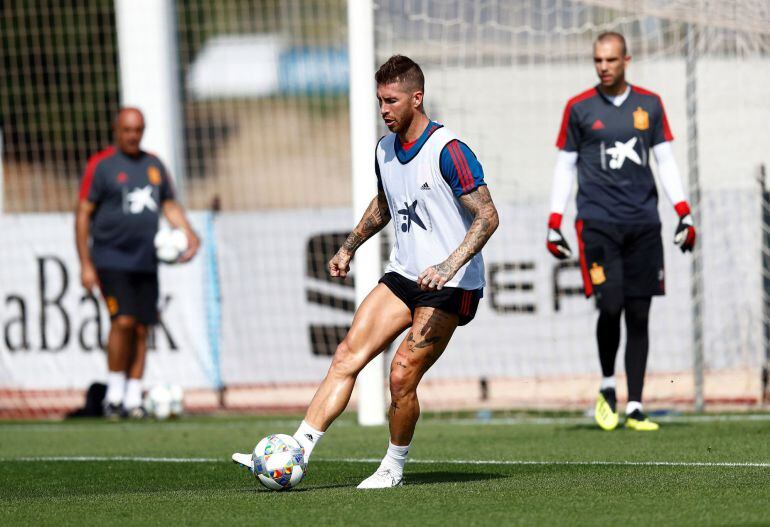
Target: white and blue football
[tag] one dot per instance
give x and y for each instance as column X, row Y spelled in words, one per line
column 279, row 462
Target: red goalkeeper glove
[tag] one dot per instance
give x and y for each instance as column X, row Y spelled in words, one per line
column 555, row 242
column 684, row 236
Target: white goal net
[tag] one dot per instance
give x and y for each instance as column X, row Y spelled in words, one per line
column 499, row 73
column 253, row 321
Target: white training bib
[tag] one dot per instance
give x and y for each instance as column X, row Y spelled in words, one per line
column 429, row 221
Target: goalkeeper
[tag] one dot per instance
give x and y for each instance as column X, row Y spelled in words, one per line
column 607, row 133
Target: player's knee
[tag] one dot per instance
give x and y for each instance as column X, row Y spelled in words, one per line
column 637, row 320
column 402, row 382
column 124, row 323
column 637, row 314
column 346, row 362
column 610, row 303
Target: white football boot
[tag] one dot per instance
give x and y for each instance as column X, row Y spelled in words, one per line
column 384, row 478
column 244, row 460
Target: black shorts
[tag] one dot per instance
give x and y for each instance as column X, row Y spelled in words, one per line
column 460, row 302
column 619, row 261
column 130, row 293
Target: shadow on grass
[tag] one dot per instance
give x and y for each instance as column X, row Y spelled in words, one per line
column 351, row 485
column 412, row 478
column 258, row 489
column 445, row 476
column 591, row 427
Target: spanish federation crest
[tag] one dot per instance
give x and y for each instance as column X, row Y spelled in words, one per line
column 153, row 175
column 641, row 119
column 597, row 274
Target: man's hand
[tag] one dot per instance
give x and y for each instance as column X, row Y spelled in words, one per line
column 435, row 277
column 193, row 244
column 557, row 245
column 175, row 215
column 555, row 241
column 339, row 265
column 684, row 236
column 88, row 277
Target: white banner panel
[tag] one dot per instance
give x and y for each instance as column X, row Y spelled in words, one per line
column 532, row 322
column 281, row 316
column 51, row 332
column 266, row 315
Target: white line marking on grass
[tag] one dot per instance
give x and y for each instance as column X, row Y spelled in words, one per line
column 511, row 462
column 672, row 418
column 136, row 459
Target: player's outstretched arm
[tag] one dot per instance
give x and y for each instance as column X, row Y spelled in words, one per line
column 485, row 222
column 377, row 215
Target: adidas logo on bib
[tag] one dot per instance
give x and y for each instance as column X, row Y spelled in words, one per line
column 425, row 186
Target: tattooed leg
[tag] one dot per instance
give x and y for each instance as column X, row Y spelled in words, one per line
column 381, row 318
column 423, row 345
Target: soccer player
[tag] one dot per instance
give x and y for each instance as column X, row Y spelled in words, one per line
column 122, row 194
column 432, row 186
column 607, row 132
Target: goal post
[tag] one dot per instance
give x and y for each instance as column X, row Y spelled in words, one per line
column 371, row 395
column 148, row 76
column 696, row 287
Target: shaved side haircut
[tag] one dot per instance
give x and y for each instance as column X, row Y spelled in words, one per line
column 401, row 69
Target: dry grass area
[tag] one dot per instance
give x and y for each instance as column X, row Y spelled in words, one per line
column 278, row 155
column 264, row 154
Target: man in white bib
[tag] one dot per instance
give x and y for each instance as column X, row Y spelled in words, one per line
column 432, row 186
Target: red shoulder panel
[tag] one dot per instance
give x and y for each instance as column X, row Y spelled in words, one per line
column 93, row 162
column 562, row 139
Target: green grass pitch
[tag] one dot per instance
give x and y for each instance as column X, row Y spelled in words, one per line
column 713, row 471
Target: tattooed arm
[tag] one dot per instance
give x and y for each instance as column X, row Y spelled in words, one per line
column 377, row 215
column 485, row 221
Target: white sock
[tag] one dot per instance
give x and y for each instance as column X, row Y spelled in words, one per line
column 395, row 458
column 308, row 437
column 607, row 382
column 116, row 385
column 133, row 398
column 633, row 405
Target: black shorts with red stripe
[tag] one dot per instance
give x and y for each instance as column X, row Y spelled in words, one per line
column 620, row 261
column 454, row 300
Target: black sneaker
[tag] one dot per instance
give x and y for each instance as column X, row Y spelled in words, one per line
column 113, row 412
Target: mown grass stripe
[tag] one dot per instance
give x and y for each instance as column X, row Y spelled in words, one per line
column 142, row 459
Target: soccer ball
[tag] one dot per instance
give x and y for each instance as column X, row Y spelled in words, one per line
column 279, row 462
column 170, row 244
column 163, row 401
column 157, row 402
column 177, row 400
